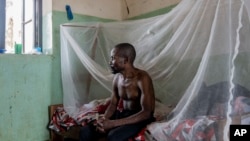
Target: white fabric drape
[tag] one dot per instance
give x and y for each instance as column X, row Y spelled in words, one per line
column 197, row 55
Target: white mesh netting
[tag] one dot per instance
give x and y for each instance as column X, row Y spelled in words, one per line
column 197, row 55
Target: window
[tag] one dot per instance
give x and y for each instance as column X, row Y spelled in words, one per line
column 23, row 24
column 2, row 24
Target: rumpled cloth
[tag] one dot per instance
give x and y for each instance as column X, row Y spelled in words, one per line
column 201, row 129
column 88, row 113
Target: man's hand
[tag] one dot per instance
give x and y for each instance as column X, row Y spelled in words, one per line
column 104, row 125
column 99, row 124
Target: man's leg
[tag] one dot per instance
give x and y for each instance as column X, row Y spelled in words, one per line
column 88, row 133
column 123, row 133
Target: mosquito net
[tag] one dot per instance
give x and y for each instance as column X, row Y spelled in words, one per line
column 197, row 55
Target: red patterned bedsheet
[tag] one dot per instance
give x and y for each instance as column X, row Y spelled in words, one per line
column 88, row 113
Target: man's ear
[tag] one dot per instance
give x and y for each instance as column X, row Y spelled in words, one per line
column 126, row 60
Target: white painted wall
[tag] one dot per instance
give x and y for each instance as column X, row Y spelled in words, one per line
column 109, row 9
column 47, row 7
column 139, row 7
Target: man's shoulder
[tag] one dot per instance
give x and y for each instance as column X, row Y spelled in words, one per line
column 143, row 74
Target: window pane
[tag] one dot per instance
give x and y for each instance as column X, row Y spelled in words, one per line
column 13, row 24
column 29, row 26
column 19, row 24
column 2, row 24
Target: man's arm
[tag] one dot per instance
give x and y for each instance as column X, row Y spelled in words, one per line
column 113, row 101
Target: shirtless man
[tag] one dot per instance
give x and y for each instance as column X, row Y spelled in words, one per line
column 132, row 92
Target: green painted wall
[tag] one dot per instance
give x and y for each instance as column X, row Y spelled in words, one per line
column 25, row 84
column 30, row 83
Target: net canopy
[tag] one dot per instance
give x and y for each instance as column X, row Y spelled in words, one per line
column 197, row 55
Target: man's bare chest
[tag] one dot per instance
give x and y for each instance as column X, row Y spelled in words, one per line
column 128, row 90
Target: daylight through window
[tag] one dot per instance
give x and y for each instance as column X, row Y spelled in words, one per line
column 23, row 25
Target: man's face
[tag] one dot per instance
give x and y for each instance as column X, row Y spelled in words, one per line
column 116, row 62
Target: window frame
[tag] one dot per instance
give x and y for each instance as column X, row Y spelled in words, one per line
column 37, row 18
column 38, row 23
column 2, row 23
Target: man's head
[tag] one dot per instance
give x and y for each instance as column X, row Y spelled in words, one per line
column 121, row 54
